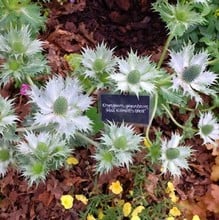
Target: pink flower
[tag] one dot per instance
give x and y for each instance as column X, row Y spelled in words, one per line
column 24, row 88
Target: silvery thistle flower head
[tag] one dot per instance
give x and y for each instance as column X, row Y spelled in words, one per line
column 117, row 147
column 62, row 104
column 106, row 160
column 7, row 116
column 135, row 75
column 190, row 72
column 208, row 128
column 6, row 156
column 22, row 55
column 99, row 62
column 178, row 17
column 41, row 153
column 18, row 42
column 174, row 157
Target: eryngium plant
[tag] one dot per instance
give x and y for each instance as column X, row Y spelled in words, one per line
column 38, row 154
column 22, row 55
column 17, row 13
column 61, row 104
column 117, row 147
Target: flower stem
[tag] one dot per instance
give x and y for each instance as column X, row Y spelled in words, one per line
column 151, row 118
column 163, row 54
column 29, row 80
column 87, row 139
column 212, row 62
column 89, row 92
column 172, row 118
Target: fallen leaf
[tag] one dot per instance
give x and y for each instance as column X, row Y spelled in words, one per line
column 46, row 198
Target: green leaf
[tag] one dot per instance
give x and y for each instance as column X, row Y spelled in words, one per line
column 172, row 96
column 74, row 60
column 95, row 118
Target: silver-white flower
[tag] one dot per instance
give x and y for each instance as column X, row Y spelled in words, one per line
column 40, row 142
column 40, row 153
column 7, row 116
column 190, row 72
column 174, row 157
column 106, row 160
column 208, row 128
column 135, row 75
column 62, row 104
column 98, row 61
column 117, row 146
column 19, row 42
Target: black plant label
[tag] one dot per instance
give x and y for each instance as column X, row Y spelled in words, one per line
column 124, row 108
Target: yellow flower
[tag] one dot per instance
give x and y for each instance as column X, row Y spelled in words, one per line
column 72, row 160
column 90, row 217
column 147, row 143
column 173, row 197
column 116, row 187
column 170, row 187
column 67, row 201
column 82, row 198
column 135, row 217
column 195, row 217
column 127, row 208
column 138, row 210
column 170, row 218
column 175, row 212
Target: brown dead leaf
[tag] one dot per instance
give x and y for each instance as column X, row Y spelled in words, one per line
column 191, row 208
column 214, row 147
column 123, row 4
column 88, row 35
column 13, row 196
column 4, row 204
column 215, row 173
column 46, row 198
column 211, row 199
column 151, row 184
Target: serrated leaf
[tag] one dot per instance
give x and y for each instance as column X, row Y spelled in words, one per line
column 172, row 97
column 93, row 115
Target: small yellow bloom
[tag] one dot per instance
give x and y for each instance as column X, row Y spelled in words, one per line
column 175, row 212
column 72, row 160
column 67, row 201
column 135, row 217
column 90, row 217
column 82, row 198
column 116, row 187
column 170, row 187
column 127, row 208
column 170, row 218
column 173, row 197
column 195, row 217
column 138, row 210
column 147, row 143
